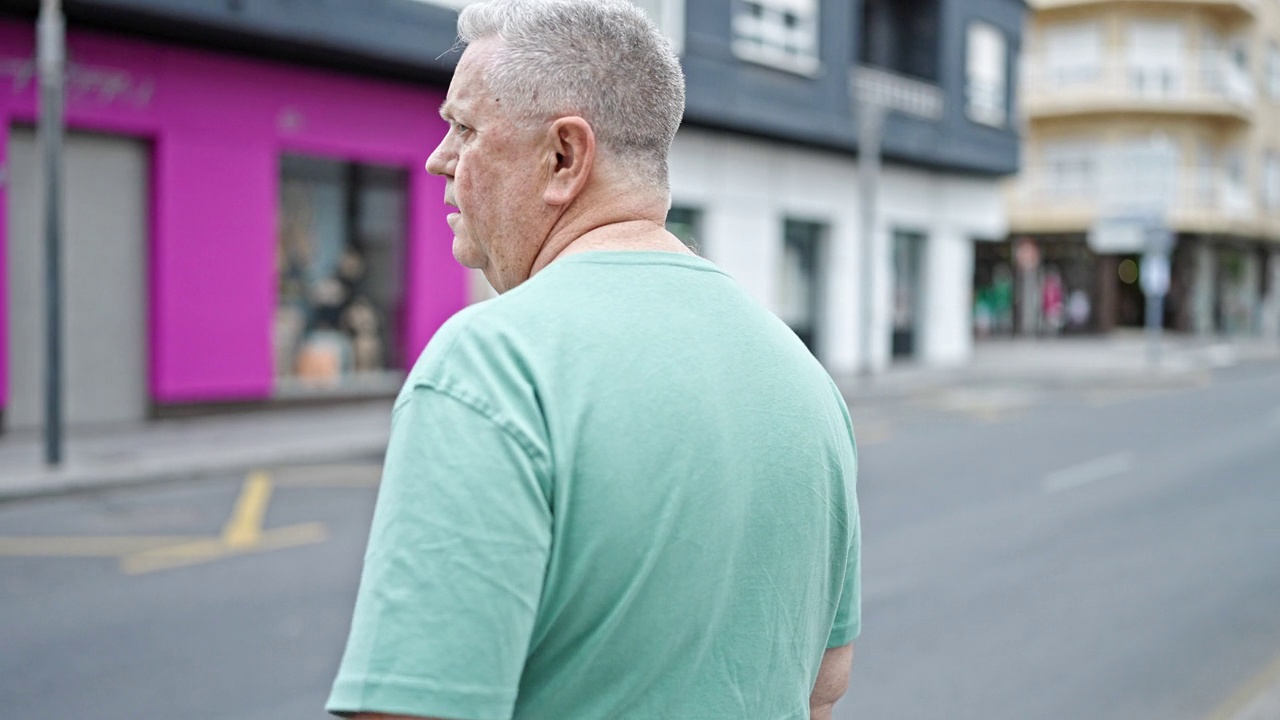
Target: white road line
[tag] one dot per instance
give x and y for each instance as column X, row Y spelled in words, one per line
column 1092, row 471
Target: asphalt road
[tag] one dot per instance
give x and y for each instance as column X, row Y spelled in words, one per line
column 1028, row 555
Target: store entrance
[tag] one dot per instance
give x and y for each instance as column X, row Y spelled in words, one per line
column 104, row 280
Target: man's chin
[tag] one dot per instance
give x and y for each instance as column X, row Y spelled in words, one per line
column 467, row 254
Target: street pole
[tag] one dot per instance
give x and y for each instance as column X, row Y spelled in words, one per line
column 51, row 58
column 871, row 117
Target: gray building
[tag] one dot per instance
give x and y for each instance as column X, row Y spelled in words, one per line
column 765, row 177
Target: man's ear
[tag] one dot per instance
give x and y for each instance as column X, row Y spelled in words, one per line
column 573, row 145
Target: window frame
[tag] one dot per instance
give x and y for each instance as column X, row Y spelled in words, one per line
column 993, row 111
column 749, row 43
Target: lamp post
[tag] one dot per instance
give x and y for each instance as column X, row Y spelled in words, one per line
column 51, row 64
column 876, row 93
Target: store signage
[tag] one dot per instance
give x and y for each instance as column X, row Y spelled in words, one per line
column 95, row 84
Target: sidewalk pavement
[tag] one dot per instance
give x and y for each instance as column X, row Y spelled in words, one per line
column 175, row 449
column 1122, row 360
column 191, row 447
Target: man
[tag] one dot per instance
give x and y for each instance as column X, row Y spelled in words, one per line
column 621, row 489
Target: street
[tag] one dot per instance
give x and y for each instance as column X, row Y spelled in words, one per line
column 1029, row 553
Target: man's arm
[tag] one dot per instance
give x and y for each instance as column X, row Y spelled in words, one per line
column 833, row 681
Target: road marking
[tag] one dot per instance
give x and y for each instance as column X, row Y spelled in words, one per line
column 209, row 550
column 244, row 529
column 1089, row 472
column 85, row 546
column 1249, row 693
column 242, row 534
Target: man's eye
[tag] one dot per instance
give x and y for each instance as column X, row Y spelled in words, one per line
column 461, row 129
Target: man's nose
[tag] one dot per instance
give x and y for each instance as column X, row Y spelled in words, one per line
column 440, row 160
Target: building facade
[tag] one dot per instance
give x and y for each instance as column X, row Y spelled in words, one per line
column 765, row 172
column 247, row 216
column 245, row 209
column 1107, row 80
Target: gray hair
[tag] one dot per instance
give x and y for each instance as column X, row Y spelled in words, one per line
column 603, row 60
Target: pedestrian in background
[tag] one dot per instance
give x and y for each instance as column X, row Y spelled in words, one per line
column 622, row 488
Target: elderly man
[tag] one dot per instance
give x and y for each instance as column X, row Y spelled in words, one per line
column 621, row 489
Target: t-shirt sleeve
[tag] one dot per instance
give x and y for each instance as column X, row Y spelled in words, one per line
column 454, row 567
column 848, row 620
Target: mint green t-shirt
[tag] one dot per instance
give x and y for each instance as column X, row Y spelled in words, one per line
column 621, row 490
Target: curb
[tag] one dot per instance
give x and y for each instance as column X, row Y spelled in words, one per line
column 85, row 479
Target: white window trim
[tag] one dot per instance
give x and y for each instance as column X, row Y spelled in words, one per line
column 747, row 48
column 668, row 15
column 993, row 112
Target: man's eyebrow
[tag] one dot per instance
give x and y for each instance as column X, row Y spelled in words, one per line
column 446, row 110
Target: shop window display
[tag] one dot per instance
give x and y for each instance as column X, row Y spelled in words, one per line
column 341, row 243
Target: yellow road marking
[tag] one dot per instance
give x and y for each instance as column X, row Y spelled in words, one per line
column 1249, row 692
column 203, row 551
column 241, row 535
column 85, row 546
column 244, row 529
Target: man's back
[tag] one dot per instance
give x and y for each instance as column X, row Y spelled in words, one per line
column 674, row 532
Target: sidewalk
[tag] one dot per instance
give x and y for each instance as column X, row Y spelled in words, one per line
column 190, row 447
column 1121, row 361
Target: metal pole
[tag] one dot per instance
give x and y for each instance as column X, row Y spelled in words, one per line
column 871, row 118
column 1155, row 326
column 51, row 52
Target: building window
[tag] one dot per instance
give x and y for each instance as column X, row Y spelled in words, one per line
column 779, row 33
column 800, row 287
column 1073, row 54
column 901, row 36
column 1070, row 169
column 987, row 75
column 339, row 261
column 668, row 15
column 686, row 224
column 1271, row 182
column 1156, row 59
column 908, row 292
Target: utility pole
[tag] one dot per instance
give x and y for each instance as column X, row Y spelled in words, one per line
column 871, row 118
column 876, row 93
column 51, row 62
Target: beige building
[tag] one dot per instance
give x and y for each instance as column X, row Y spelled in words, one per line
column 1107, row 83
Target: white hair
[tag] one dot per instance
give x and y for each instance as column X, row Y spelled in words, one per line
column 603, row 60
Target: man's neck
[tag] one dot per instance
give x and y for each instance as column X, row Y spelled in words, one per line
column 617, row 232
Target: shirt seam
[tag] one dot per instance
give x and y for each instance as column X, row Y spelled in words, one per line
column 484, row 410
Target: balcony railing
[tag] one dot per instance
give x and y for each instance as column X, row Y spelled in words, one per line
column 1240, row 8
column 1197, row 197
column 1202, row 82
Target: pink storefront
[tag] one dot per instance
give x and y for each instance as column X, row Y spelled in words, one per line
column 284, row 238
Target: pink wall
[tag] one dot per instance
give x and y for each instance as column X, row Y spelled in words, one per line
column 218, row 126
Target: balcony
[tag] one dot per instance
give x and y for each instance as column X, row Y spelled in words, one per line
column 1205, row 84
column 1201, row 200
column 1238, row 10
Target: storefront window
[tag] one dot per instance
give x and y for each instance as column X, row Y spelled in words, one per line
column 686, row 224
column 341, row 247
column 800, row 285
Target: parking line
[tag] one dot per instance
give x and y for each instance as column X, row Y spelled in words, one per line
column 244, row 529
column 1089, row 472
column 203, row 551
column 84, row 546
